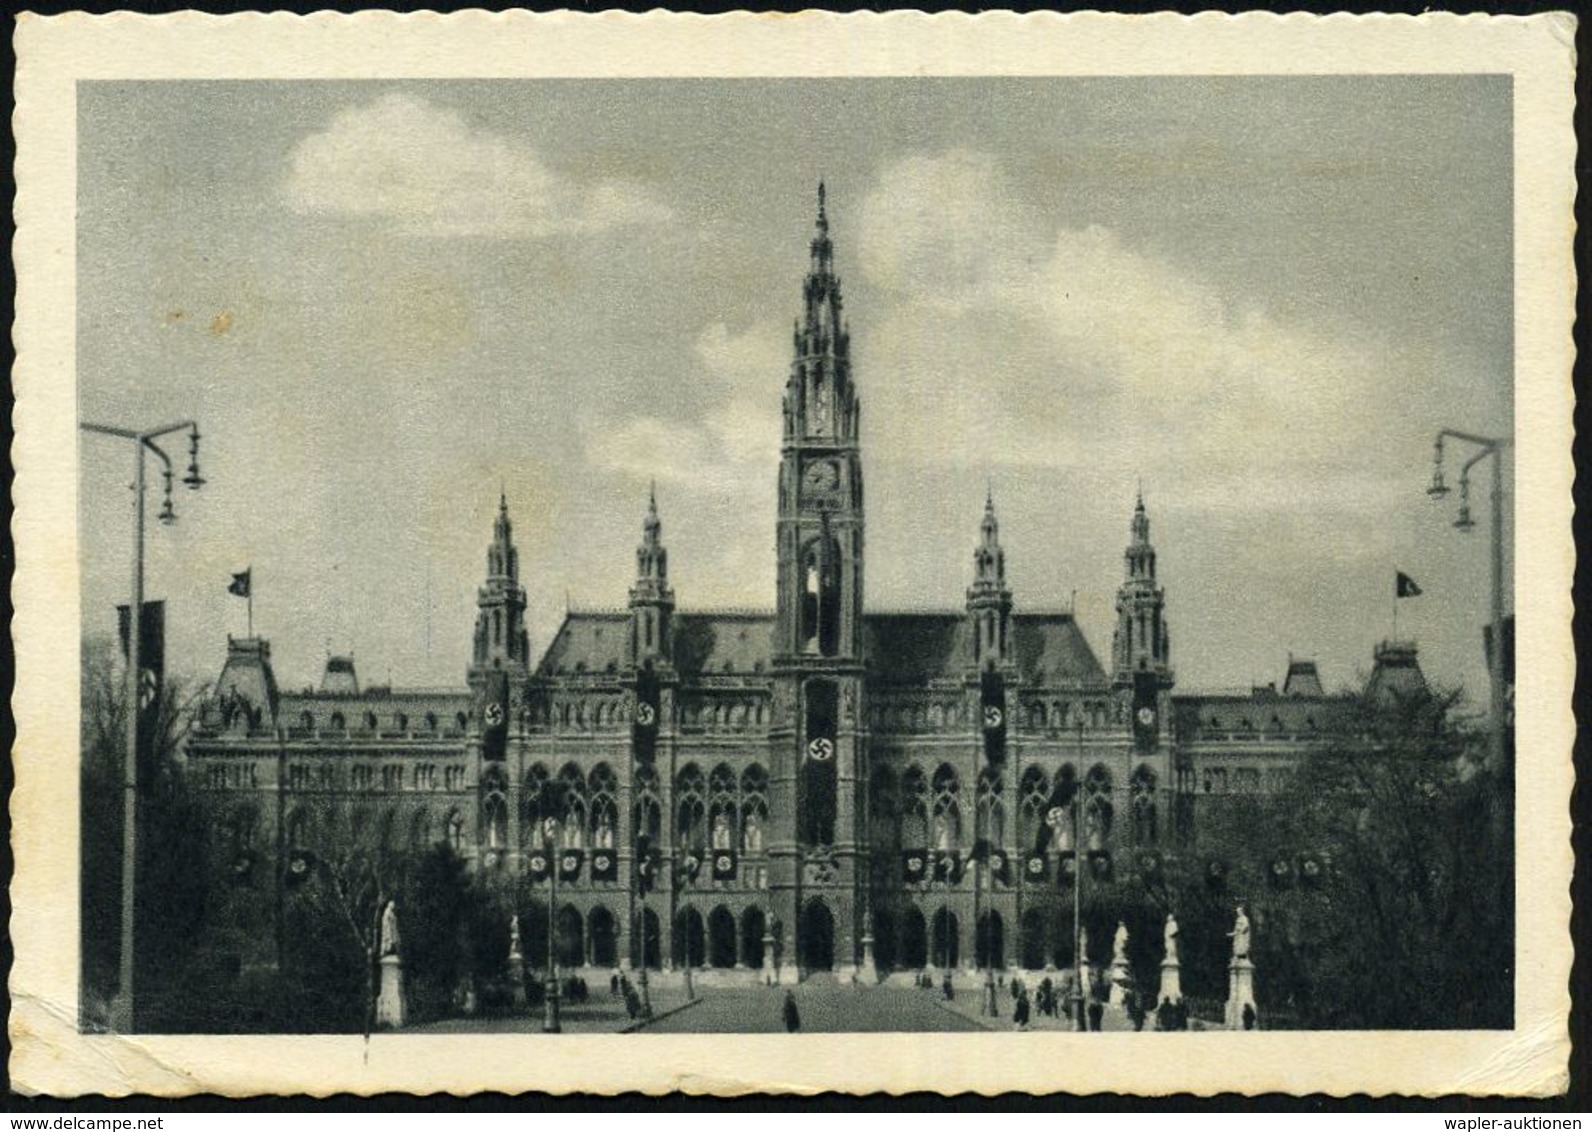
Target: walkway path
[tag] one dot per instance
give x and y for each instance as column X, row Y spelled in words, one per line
column 823, row 1009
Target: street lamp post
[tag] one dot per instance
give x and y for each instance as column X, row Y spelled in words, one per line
column 122, row 1008
column 1080, row 965
column 1489, row 447
column 550, row 1019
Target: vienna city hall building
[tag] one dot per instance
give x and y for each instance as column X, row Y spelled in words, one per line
column 767, row 794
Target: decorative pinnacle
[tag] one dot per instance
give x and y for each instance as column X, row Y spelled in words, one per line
column 823, row 219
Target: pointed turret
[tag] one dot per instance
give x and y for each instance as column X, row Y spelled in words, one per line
column 819, row 400
column 1141, row 650
column 501, row 640
column 651, row 599
column 1141, row 642
column 989, row 600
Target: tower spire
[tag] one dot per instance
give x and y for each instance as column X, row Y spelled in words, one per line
column 501, row 640
column 989, row 600
column 1141, row 642
column 651, row 599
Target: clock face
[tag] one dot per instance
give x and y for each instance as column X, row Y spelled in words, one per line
column 1146, row 717
column 822, row 476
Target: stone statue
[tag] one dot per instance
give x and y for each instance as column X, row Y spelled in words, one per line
column 389, row 929
column 1119, row 944
column 1240, row 934
column 1169, row 939
column 721, row 830
column 514, row 935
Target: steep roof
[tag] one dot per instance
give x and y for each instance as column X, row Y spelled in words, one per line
column 902, row 649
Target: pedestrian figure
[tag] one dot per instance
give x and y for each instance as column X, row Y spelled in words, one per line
column 1096, row 1012
column 1020, row 1011
column 793, row 1018
column 1136, row 1010
column 950, row 993
column 1249, row 1016
column 613, row 983
column 1180, row 1016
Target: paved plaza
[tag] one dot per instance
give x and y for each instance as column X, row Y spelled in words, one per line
column 823, row 1009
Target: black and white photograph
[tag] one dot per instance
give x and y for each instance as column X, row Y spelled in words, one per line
column 604, row 555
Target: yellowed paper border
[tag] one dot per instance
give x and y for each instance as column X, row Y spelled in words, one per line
column 50, row 1056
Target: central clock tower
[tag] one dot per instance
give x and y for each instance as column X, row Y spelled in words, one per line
column 818, row 739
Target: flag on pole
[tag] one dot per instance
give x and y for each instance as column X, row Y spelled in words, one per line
column 1405, row 586
column 240, row 584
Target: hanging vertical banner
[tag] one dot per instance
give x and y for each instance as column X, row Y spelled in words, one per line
column 1146, row 705
column 818, row 774
column 644, row 724
column 495, row 716
column 992, row 698
column 152, row 672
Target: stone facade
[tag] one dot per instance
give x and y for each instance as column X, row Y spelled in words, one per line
column 857, row 791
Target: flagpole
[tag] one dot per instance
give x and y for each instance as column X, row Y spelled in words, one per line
column 249, row 598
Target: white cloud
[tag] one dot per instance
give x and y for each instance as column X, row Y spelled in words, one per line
column 732, row 444
column 428, row 172
column 1070, row 347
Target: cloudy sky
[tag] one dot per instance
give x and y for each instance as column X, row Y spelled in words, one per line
column 1259, row 297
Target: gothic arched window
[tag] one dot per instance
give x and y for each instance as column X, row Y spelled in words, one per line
column 1097, row 811
column 604, row 785
column 914, row 809
column 884, row 804
column 571, row 800
column 820, row 599
column 647, row 816
column 535, row 804
column 1032, row 831
column 690, row 809
column 1142, row 789
column 991, row 809
column 947, row 808
column 722, row 807
column 495, row 821
column 754, row 807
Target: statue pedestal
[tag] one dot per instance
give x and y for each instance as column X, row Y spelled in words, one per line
column 390, row 998
column 1120, row 978
column 867, row 973
column 517, row 980
column 1240, row 992
column 1171, row 983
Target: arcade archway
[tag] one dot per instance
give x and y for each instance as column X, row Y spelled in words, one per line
column 816, row 937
